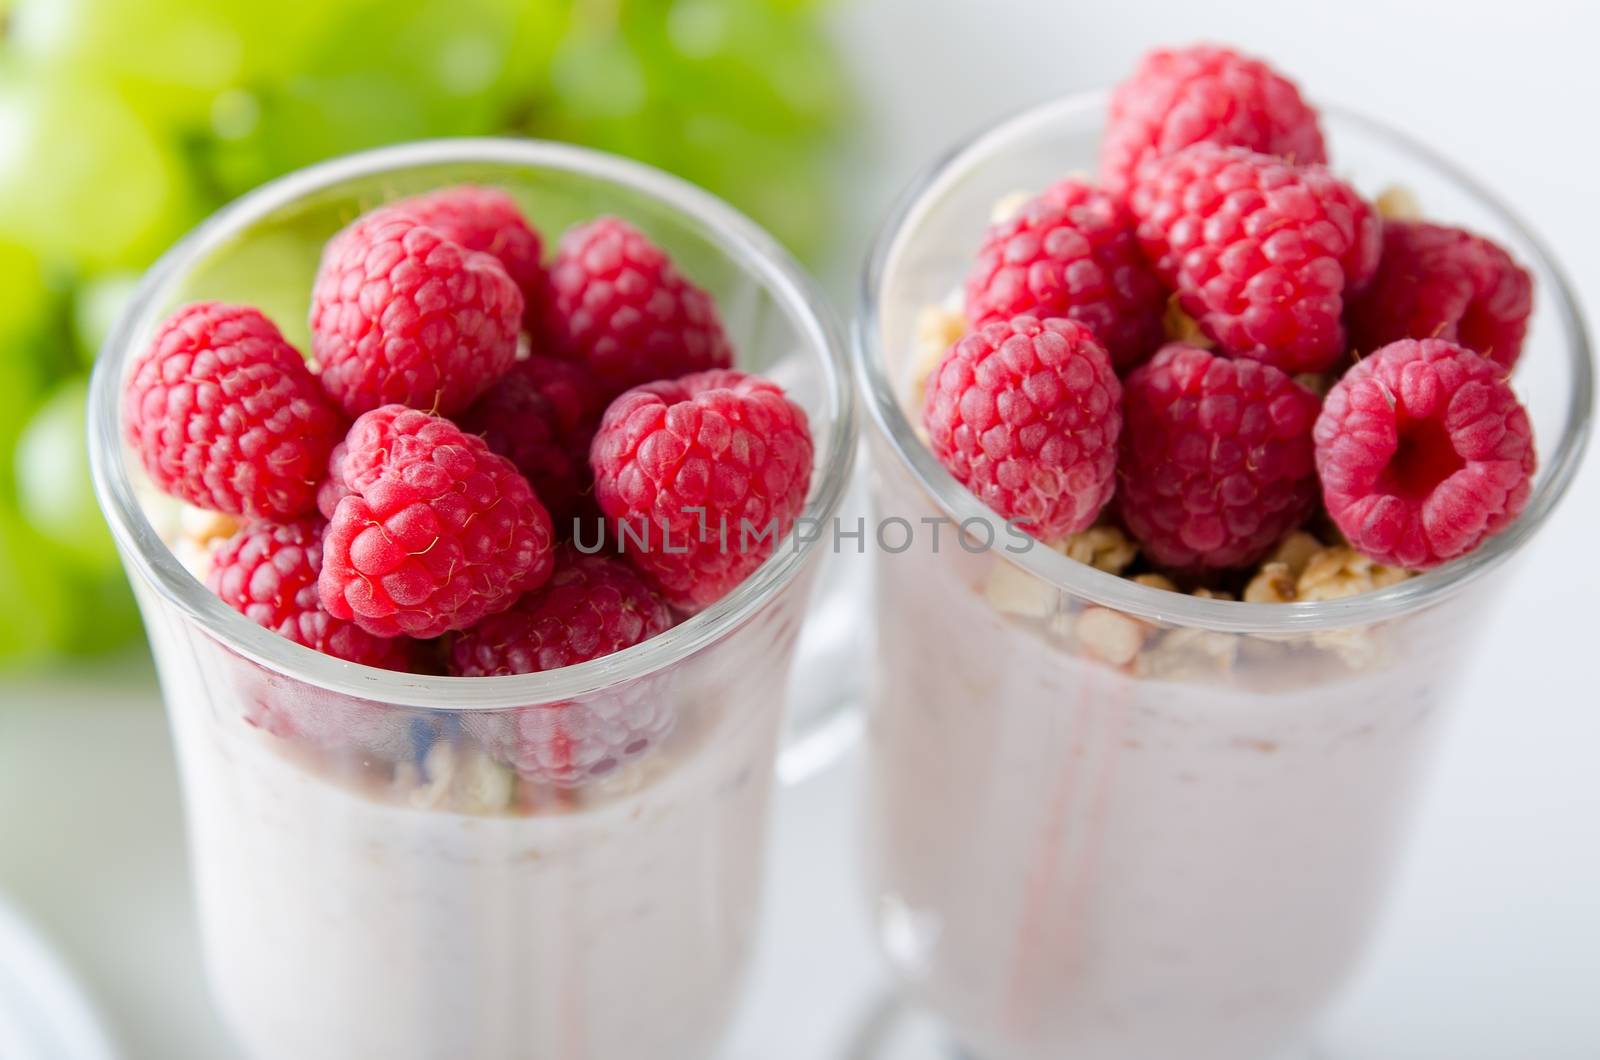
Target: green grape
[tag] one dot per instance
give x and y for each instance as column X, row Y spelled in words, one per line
column 770, row 70
column 24, row 308
column 741, row 97
column 168, row 56
column 82, row 180
column 599, row 77
column 277, row 36
column 95, row 308
column 24, row 304
column 18, row 399
column 538, row 27
column 381, row 73
column 35, row 608
column 54, row 492
column 170, row 59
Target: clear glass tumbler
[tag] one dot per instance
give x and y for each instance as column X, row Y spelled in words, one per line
column 1108, row 821
column 375, row 879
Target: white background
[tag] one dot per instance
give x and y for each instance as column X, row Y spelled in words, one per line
column 1492, row 948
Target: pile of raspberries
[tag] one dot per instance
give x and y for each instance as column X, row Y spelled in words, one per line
column 412, row 501
column 1065, row 403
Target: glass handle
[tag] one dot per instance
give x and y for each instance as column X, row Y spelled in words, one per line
column 828, row 684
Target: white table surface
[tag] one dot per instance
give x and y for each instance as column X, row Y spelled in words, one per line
column 1491, row 950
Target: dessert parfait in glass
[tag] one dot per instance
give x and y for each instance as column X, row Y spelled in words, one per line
column 1230, row 447
column 435, row 522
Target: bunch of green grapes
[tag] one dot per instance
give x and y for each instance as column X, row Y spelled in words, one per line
column 123, row 123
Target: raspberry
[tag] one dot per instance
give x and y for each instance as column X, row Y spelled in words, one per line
column 542, row 416
column 620, row 305
column 268, row 573
column 1261, row 252
column 1025, row 413
column 224, row 414
column 567, row 743
column 1072, row 253
column 373, row 438
column 591, row 606
column 436, row 533
column 1216, row 458
column 488, row 220
column 401, row 314
column 331, row 490
column 702, row 477
column 1424, row 452
column 291, row 709
column 374, row 435
column 1436, row 282
column 1204, row 94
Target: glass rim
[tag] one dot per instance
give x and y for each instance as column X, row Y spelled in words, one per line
column 1163, row 606
column 744, row 242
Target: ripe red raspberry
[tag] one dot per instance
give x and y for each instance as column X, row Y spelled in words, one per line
column 488, row 220
column 542, row 416
column 1025, row 413
column 401, row 314
column 620, row 305
column 1071, row 252
column 1424, row 453
column 701, row 477
column 1216, row 459
column 224, row 414
column 374, row 436
column 1204, row 94
column 1262, row 253
column 268, row 573
column 593, row 605
column 436, row 533
column 1436, row 282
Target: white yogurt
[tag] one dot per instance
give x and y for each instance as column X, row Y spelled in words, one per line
column 1070, row 861
column 347, row 917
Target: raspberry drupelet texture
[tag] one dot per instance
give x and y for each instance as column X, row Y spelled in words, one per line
column 436, row 533
column 224, row 414
column 542, row 417
column 1026, row 413
column 593, row 605
column 488, row 220
column 700, row 478
column 1071, row 252
column 1204, row 94
column 373, row 437
column 1217, row 462
column 1436, row 282
column 620, row 305
column 267, row 571
column 1424, row 453
column 400, row 314
column 1262, row 253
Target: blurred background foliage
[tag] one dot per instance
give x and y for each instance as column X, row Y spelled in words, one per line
column 124, row 122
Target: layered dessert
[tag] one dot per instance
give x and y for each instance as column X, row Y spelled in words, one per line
column 1217, row 370
column 493, row 464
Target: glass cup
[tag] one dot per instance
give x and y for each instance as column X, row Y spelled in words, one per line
column 383, row 867
column 1109, row 821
